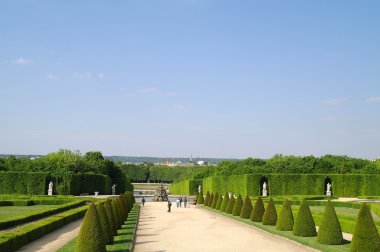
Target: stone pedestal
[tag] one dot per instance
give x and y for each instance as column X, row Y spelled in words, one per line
column 96, row 194
column 50, row 192
column 265, row 193
column 328, row 193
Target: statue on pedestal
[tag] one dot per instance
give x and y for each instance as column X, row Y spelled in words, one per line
column 265, row 192
column 114, row 189
column 50, row 190
column 328, row 191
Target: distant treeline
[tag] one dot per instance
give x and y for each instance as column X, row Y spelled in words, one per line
column 154, row 160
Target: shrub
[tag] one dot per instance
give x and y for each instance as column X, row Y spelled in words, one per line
column 365, row 237
column 107, row 231
column 210, row 200
column 329, row 230
column 111, row 218
column 285, row 221
column 215, row 200
column 207, row 198
column 122, row 210
column 225, row 201
column 238, row 205
column 231, row 204
column 91, row 236
column 258, row 210
column 219, row 202
column 304, row 224
column 246, row 209
column 116, row 214
column 270, row 214
column 200, row 199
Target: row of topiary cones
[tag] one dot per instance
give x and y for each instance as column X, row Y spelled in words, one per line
column 365, row 237
column 101, row 222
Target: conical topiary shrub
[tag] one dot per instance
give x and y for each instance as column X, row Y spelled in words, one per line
column 111, row 218
column 200, row 199
column 107, row 230
column 91, row 237
column 125, row 205
column 219, row 202
column 238, row 205
column 304, row 224
column 216, row 197
column 246, row 209
column 225, row 201
column 210, row 200
column 270, row 214
column 231, row 204
column 116, row 214
column 366, row 237
column 329, row 231
column 207, row 198
column 121, row 210
column 258, row 210
column 285, row 221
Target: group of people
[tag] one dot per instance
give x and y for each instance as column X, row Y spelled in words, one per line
column 180, row 200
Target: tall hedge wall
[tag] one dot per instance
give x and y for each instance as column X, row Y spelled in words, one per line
column 23, row 182
column 186, row 187
column 346, row 185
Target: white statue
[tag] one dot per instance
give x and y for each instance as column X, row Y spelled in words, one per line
column 114, row 189
column 50, row 191
column 328, row 191
column 265, row 192
column 199, row 188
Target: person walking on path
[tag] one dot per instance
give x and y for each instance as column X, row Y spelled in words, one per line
column 185, row 202
column 180, row 202
column 169, row 206
column 143, row 201
column 177, row 201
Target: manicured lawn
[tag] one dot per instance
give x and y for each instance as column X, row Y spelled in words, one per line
column 13, row 211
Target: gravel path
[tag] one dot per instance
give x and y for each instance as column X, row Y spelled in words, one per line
column 195, row 229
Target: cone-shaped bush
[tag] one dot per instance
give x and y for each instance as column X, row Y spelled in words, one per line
column 366, row 237
column 329, row 230
column 238, row 206
column 285, row 221
column 231, row 204
column 111, row 218
column 200, row 199
column 270, row 214
column 304, row 224
column 127, row 206
column 122, row 208
column 196, row 197
column 91, row 237
column 246, row 209
column 219, row 202
column 215, row 200
column 116, row 214
column 211, row 199
column 225, row 201
column 258, row 210
column 207, row 198
column 107, row 230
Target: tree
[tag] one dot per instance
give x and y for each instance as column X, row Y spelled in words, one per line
column 329, row 230
column 107, row 231
column 91, row 236
column 246, row 209
column 285, row 221
column 304, row 224
column 231, row 204
column 270, row 214
column 238, row 205
column 258, row 210
column 365, row 237
column 225, row 201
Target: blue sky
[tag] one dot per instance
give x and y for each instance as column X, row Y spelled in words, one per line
column 207, row 77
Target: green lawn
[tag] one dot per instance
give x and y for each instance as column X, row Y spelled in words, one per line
column 14, row 211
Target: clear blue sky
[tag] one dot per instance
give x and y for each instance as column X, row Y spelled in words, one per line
column 207, row 77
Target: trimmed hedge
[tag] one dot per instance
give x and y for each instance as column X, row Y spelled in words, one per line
column 200, row 199
column 285, row 221
column 13, row 221
column 258, row 211
column 11, row 241
column 207, row 198
column 270, row 214
column 23, row 182
column 106, row 226
column 185, row 187
column 17, row 203
column 215, row 200
column 111, row 218
column 365, row 237
column 210, row 200
column 246, row 209
column 225, row 201
column 304, row 224
column 238, row 205
column 329, row 230
column 219, row 202
column 231, row 204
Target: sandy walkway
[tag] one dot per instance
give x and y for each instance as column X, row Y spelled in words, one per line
column 194, row 229
column 54, row 240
